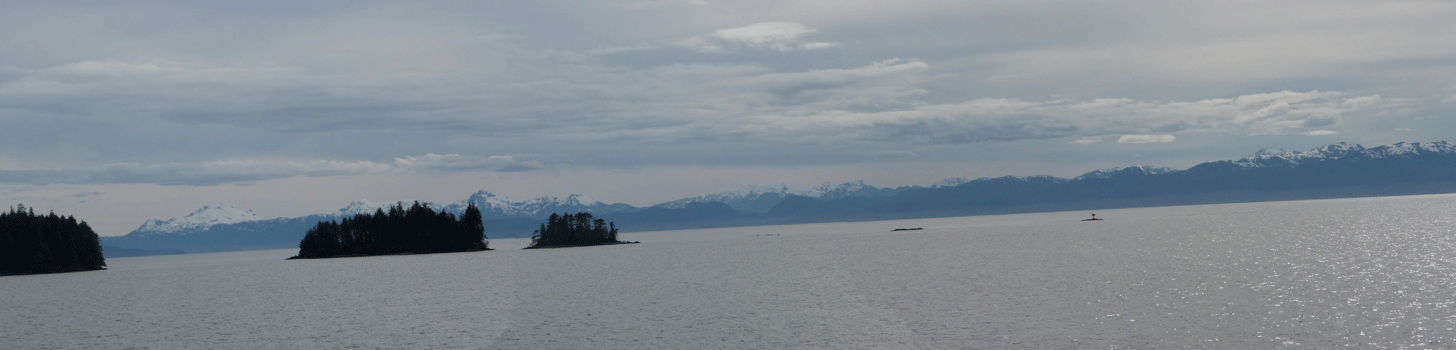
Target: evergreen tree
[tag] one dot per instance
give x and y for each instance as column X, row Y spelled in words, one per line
column 46, row 243
column 574, row 230
column 416, row 229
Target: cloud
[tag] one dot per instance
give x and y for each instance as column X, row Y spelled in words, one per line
column 895, row 154
column 1009, row 120
column 456, row 163
column 1146, row 138
column 363, row 79
column 1321, row 133
column 663, row 3
column 252, row 170
column 778, row 36
column 820, row 45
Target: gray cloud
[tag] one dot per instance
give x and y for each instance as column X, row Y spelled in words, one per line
column 251, row 170
column 335, row 82
column 1146, row 138
column 206, row 93
column 456, row 162
column 895, row 154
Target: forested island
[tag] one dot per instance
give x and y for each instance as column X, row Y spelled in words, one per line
column 417, row 229
column 574, row 230
column 32, row 243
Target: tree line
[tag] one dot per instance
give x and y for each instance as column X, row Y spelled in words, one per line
column 31, row 243
column 578, row 229
column 416, row 229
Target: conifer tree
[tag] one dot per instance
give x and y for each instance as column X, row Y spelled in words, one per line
column 48, row 243
column 417, row 229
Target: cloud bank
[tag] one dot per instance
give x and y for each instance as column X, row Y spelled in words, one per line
column 244, row 171
column 600, row 84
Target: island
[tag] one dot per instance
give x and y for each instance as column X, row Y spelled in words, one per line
column 574, row 230
column 31, row 244
column 417, row 229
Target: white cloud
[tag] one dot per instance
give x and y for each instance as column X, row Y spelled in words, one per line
column 1321, row 133
column 778, row 36
column 1087, row 140
column 819, row 45
column 1146, row 138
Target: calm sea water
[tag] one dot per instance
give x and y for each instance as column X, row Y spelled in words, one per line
column 1364, row 273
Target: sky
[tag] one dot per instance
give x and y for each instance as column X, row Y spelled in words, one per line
column 119, row 112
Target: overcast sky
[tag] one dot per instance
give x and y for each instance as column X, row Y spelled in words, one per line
column 118, row 112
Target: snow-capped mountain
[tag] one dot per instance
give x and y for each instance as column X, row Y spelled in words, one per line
column 752, row 198
column 202, row 219
column 1129, row 170
column 368, row 208
column 1334, row 171
column 1281, row 158
column 760, row 198
column 856, row 188
column 494, row 206
column 950, row 182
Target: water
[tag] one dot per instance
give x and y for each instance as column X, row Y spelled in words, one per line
column 1362, row 273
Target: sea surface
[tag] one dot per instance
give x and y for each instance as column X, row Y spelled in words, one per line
column 1369, row 273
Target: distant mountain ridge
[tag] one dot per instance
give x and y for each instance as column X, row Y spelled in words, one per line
column 760, row 198
column 202, row 219
column 1333, row 171
column 1111, row 172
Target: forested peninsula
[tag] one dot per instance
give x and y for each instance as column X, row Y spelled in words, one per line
column 32, row 243
column 417, row 229
column 574, row 230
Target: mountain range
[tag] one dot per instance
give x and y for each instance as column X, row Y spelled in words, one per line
column 1335, row 171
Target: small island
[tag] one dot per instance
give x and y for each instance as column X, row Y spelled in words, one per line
column 574, row 230
column 414, row 230
column 31, row 244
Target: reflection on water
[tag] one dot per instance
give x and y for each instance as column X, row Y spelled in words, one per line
column 1366, row 273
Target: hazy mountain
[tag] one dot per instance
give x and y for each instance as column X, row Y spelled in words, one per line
column 1334, row 171
column 760, row 198
column 220, row 227
column 202, row 219
column 950, row 182
column 1128, row 170
column 493, row 206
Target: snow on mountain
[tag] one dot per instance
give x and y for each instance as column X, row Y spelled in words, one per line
column 368, row 208
column 1109, row 172
column 829, row 190
column 752, row 198
column 1403, row 149
column 760, row 198
column 951, row 182
column 202, row 219
column 1267, row 158
column 496, row 206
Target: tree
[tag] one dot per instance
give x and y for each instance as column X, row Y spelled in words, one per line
column 574, row 230
column 50, row 243
column 417, row 229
